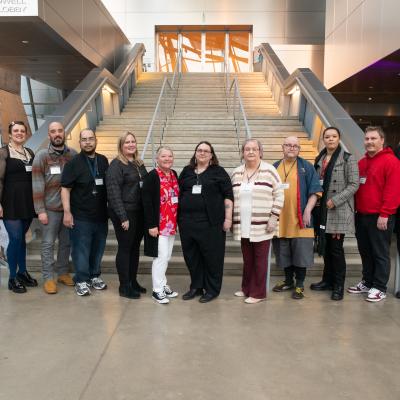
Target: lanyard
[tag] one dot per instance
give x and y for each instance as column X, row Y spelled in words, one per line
column 93, row 167
column 284, row 168
column 249, row 177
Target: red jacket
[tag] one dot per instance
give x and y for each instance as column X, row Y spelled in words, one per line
column 380, row 194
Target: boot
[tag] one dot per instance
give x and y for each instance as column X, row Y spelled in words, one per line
column 337, row 293
column 128, row 292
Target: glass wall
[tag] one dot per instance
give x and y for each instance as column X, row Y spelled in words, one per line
column 191, row 51
column 167, row 51
column 214, row 56
column 238, row 51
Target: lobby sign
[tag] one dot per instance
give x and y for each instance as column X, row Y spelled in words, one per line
column 18, row 8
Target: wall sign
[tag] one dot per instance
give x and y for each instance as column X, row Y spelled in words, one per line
column 18, row 8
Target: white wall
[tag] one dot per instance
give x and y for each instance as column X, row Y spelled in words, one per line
column 358, row 33
column 279, row 22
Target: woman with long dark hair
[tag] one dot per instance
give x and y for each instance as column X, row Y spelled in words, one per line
column 334, row 216
column 16, row 207
column 205, row 214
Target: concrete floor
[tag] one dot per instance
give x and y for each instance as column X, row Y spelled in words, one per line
column 106, row 347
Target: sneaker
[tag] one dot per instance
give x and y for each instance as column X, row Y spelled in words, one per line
column 359, row 288
column 298, row 293
column 253, row 300
column 169, row 292
column 375, row 295
column 239, row 293
column 82, row 289
column 97, row 283
column 160, row 297
column 282, row 286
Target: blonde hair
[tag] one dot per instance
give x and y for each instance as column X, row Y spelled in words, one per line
column 120, row 144
column 161, row 148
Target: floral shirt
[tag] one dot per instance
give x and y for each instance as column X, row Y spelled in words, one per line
column 169, row 193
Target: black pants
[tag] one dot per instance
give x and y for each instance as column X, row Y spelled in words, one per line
column 374, row 247
column 203, row 249
column 127, row 259
column 300, row 273
column 334, row 261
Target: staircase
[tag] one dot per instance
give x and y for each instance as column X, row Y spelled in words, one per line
column 201, row 113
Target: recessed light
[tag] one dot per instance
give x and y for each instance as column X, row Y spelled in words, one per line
column 370, row 87
column 58, row 72
column 25, row 41
column 369, row 98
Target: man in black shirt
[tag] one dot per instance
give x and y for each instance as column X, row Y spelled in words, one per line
column 84, row 201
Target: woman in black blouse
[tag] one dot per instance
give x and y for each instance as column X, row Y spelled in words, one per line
column 16, row 207
column 124, row 182
column 205, row 214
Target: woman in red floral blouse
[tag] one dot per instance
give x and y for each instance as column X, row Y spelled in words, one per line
column 160, row 200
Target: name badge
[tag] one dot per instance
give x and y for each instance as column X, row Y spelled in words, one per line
column 196, row 189
column 321, row 182
column 247, row 187
column 55, row 170
column 322, row 227
column 174, row 200
column 141, row 184
column 99, row 181
column 285, row 186
column 363, row 179
column 28, row 168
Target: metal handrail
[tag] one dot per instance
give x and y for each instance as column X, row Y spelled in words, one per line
column 70, row 111
column 313, row 92
column 242, row 113
column 168, row 110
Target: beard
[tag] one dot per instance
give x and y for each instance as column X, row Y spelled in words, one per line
column 58, row 142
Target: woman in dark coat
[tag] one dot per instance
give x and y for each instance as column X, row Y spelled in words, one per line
column 205, row 214
column 160, row 201
column 16, row 207
column 124, row 180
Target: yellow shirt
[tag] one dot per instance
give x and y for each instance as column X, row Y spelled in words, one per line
column 288, row 220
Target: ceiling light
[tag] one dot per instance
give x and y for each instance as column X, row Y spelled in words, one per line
column 370, row 87
column 25, row 41
column 369, row 98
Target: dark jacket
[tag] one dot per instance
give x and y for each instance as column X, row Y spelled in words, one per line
column 151, row 205
column 123, row 187
column 216, row 187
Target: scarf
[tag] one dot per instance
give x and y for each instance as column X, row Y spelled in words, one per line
column 320, row 211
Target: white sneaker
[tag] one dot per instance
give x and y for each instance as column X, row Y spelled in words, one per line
column 359, row 288
column 375, row 295
column 82, row 289
column 239, row 294
column 98, row 283
column 160, row 297
column 253, row 300
column 169, row 292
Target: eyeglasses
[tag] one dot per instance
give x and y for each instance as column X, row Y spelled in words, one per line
column 291, row 146
column 90, row 139
column 203, row 151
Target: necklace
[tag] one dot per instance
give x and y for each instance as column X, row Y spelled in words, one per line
column 250, row 176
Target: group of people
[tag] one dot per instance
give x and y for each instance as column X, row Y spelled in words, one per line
column 297, row 207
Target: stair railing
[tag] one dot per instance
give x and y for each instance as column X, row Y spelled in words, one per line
column 303, row 95
column 165, row 108
column 234, row 101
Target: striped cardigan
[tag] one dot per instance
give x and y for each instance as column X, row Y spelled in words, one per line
column 267, row 202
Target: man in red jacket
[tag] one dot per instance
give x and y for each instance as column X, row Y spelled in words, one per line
column 376, row 201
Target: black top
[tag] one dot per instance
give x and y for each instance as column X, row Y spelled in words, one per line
column 209, row 205
column 151, row 204
column 16, row 188
column 123, row 187
column 88, row 200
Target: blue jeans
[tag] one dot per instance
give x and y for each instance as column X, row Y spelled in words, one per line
column 16, row 250
column 88, row 241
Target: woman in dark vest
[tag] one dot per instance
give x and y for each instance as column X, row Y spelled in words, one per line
column 16, row 207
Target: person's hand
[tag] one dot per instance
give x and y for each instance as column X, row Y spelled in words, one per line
column 227, row 225
column 153, row 232
column 382, row 223
column 272, row 224
column 307, row 217
column 125, row 225
column 43, row 218
column 68, row 219
column 330, row 204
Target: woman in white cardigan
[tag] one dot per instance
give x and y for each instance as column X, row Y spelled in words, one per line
column 258, row 200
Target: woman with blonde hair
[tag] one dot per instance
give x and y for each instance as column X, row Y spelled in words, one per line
column 124, row 182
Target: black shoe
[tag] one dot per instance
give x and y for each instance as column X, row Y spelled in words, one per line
column 139, row 288
column 207, row 297
column 16, row 286
column 192, row 293
column 398, row 294
column 128, row 292
column 26, row 279
column 323, row 285
column 337, row 294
